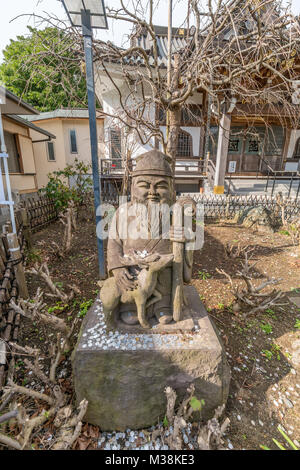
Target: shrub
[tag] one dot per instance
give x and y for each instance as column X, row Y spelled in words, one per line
column 73, row 183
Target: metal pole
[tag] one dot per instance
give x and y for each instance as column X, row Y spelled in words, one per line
column 10, row 201
column 88, row 49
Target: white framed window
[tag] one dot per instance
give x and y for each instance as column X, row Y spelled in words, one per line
column 51, row 152
column 184, row 144
column 73, row 141
column 115, row 144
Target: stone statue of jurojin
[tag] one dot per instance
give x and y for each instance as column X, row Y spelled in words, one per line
column 147, row 255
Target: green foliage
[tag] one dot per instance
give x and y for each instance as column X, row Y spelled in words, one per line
column 165, row 422
column 269, row 312
column 279, row 445
column 196, row 404
column 33, row 255
column 267, row 353
column 297, row 324
column 284, row 232
column 83, row 308
column 58, row 307
column 266, row 328
column 204, row 275
column 60, row 190
column 44, row 68
column 274, row 351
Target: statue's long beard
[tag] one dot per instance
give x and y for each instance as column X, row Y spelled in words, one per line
column 151, row 217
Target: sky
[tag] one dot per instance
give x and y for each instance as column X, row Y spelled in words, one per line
column 12, row 24
column 117, row 29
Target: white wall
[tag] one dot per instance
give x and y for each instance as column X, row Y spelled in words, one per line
column 110, row 100
column 111, row 105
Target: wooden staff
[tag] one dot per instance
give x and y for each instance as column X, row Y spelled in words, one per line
column 177, row 280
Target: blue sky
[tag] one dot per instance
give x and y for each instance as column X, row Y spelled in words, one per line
column 117, row 30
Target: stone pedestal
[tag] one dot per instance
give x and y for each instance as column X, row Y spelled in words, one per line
column 123, row 374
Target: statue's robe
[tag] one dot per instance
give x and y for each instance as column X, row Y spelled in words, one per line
column 126, row 221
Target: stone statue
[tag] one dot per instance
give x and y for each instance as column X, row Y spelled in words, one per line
column 149, row 259
column 147, row 272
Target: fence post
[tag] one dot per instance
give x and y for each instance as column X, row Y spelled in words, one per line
column 16, row 258
column 267, row 183
column 7, row 228
column 291, row 184
column 26, row 228
column 297, row 194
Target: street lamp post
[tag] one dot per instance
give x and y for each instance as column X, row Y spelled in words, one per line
column 89, row 14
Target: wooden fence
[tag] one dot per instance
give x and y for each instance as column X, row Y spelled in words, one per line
column 32, row 215
column 40, row 212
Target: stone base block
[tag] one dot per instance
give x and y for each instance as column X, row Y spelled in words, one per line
column 123, row 375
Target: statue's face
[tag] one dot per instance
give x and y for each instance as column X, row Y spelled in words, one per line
column 155, row 189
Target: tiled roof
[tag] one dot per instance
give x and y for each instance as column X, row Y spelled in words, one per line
column 179, row 42
column 60, row 113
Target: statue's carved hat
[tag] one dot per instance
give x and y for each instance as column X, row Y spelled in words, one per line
column 153, row 163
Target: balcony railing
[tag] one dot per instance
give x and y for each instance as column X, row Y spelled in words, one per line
column 111, row 167
column 183, row 167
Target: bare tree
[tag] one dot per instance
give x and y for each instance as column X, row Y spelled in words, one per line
column 252, row 299
column 237, row 52
column 242, row 53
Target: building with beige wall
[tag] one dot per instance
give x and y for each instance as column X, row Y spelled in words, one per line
column 21, row 138
column 71, row 128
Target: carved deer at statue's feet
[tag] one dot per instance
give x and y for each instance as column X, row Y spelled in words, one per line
column 145, row 294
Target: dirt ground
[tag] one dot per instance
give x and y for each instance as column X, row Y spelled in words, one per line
column 262, row 350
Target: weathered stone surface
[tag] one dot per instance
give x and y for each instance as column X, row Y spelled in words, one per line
column 295, row 300
column 123, row 375
column 2, row 352
column 258, row 218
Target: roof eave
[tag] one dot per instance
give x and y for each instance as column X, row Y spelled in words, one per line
column 20, row 102
column 29, row 124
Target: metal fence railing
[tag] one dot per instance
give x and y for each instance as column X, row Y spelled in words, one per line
column 216, row 206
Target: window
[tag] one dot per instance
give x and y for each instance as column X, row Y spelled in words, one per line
column 115, row 144
column 213, row 140
column 253, row 146
column 14, row 165
column 274, row 141
column 51, row 154
column 73, row 141
column 297, row 149
column 235, row 140
column 184, row 144
column 191, row 115
column 233, row 145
